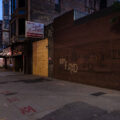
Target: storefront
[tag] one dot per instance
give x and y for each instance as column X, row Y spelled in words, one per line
column 17, row 57
column 6, row 58
column 1, row 62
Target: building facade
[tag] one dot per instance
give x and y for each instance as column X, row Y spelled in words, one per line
column 85, row 53
column 42, row 11
column 5, row 26
column 96, row 5
column 1, row 34
column 45, row 11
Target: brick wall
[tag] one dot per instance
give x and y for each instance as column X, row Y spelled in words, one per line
column 88, row 50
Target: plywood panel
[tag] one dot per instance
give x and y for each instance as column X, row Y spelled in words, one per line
column 40, row 58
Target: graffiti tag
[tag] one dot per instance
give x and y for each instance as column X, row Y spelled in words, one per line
column 71, row 67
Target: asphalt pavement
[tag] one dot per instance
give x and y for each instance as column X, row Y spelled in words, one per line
column 28, row 97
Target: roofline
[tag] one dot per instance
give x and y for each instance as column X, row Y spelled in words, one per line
column 98, row 14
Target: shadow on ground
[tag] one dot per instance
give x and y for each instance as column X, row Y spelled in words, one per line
column 81, row 111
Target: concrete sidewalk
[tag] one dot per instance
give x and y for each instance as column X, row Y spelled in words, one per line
column 28, row 97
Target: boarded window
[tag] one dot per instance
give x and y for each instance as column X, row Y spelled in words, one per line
column 21, row 3
column 58, row 5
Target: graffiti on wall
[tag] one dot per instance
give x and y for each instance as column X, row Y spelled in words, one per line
column 71, row 67
column 89, row 62
column 92, row 62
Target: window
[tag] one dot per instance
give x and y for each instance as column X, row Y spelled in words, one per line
column 103, row 4
column 21, row 3
column 21, row 12
column 6, row 8
column 58, row 5
column 21, row 26
column 13, row 29
column 13, row 6
column 0, row 35
column 90, row 6
column 0, row 26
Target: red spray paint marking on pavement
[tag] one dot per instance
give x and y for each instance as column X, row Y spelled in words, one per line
column 2, row 119
column 5, row 92
column 27, row 109
column 11, row 100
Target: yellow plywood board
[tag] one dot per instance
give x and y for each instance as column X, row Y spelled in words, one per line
column 40, row 58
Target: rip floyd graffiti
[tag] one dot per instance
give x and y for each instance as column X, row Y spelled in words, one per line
column 71, row 67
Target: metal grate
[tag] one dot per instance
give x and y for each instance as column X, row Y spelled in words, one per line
column 98, row 94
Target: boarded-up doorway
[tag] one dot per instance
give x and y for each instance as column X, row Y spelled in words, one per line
column 40, row 58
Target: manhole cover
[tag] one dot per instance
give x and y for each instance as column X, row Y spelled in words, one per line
column 98, row 93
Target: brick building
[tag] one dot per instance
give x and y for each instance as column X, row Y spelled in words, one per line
column 5, row 26
column 87, row 50
column 44, row 11
column 0, row 34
